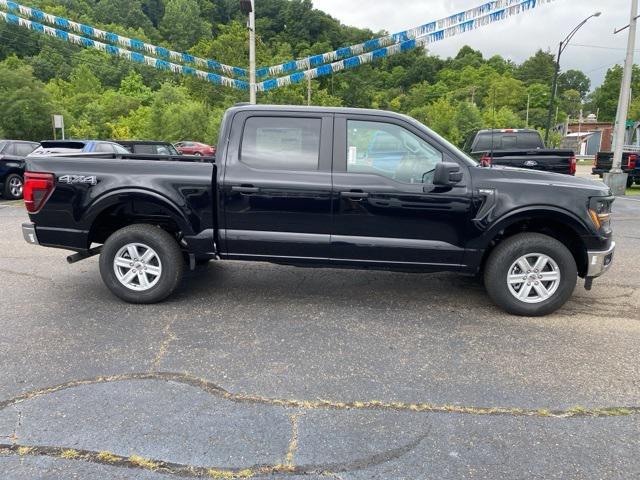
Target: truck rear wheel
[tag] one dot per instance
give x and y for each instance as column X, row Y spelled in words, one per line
column 530, row 274
column 141, row 264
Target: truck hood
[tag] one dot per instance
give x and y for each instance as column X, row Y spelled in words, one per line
column 532, row 177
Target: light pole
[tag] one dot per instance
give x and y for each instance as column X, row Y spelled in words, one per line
column 616, row 179
column 248, row 7
column 563, row 45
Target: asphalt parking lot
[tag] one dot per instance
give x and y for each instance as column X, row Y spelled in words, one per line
column 262, row 371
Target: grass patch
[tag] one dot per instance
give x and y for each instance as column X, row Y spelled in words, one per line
column 108, row 457
column 143, row 462
column 633, row 191
column 24, row 450
column 229, row 475
column 69, row 454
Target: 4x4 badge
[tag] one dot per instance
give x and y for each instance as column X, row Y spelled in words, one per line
column 72, row 179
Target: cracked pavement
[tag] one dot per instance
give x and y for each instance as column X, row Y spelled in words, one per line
column 255, row 370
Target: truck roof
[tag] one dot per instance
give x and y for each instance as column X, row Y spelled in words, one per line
column 318, row 109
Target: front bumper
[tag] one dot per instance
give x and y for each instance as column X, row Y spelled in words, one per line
column 600, row 261
column 29, row 233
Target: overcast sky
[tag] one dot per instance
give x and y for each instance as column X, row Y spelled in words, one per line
column 516, row 38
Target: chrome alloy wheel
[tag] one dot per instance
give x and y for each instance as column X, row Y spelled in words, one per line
column 15, row 187
column 137, row 267
column 534, row 278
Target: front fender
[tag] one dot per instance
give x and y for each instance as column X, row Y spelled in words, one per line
column 542, row 212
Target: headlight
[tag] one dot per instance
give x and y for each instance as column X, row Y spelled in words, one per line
column 600, row 212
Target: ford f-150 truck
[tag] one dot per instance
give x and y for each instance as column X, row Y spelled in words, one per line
column 296, row 186
column 521, row 148
column 630, row 165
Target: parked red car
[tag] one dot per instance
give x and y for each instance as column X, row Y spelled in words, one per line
column 195, row 148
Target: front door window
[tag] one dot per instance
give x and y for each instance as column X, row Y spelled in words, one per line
column 390, row 151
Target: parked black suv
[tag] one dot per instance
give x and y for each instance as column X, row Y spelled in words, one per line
column 327, row 187
column 12, row 154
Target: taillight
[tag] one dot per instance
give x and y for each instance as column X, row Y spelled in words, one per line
column 633, row 159
column 573, row 165
column 38, row 187
column 485, row 161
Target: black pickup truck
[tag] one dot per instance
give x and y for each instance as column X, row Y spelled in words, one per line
column 521, row 148
column 630, row 165
column 301, row 186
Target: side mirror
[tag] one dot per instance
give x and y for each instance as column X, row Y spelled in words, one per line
column 447, row 174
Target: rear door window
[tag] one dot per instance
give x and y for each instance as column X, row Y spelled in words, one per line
column 10, row 149
column 104, row 148
column 24, row 149
column 281, row 143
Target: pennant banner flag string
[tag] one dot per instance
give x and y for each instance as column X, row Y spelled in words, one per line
column 127, row 54
column 439, row 35
column 376, row 43
column 126, row 42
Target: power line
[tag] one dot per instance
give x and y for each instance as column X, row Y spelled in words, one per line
column 602, row 47
column 608, row 65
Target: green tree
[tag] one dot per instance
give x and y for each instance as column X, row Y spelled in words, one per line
column 502, row 118
column 574, row 80
column 468, row 120
column 537, row 69
column 604, row 99
column 571, row 103
column 25, row 105
column 182, row 24
column 440, row 116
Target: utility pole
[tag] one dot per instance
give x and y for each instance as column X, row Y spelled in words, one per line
column 528, row 104
column 616, row 179
column 248, row 8
column 252, row 53
column 309, row 90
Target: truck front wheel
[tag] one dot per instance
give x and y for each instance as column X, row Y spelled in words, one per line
column 530, row 274
column 141, row 264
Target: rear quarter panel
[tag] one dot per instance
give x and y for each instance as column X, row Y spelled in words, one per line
column 185, row 189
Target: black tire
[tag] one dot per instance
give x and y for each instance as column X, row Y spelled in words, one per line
column 167, row 252
column 629, row 181
column 13, row 186
column 508, row 252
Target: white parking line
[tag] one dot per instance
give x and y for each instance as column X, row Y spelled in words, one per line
column 630, row 199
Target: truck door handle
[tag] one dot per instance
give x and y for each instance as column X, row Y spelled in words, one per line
column 245, row 189
column 354, row 195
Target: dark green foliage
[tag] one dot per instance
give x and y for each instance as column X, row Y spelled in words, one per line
column 106, row 97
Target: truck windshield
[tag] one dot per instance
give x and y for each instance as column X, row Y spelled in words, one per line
column 486, row 141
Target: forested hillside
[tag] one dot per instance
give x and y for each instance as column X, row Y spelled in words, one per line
column 105, row 97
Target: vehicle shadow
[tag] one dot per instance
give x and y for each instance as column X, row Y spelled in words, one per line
column 250, row 282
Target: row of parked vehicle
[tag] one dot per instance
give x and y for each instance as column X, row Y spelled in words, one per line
column 14, row 152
